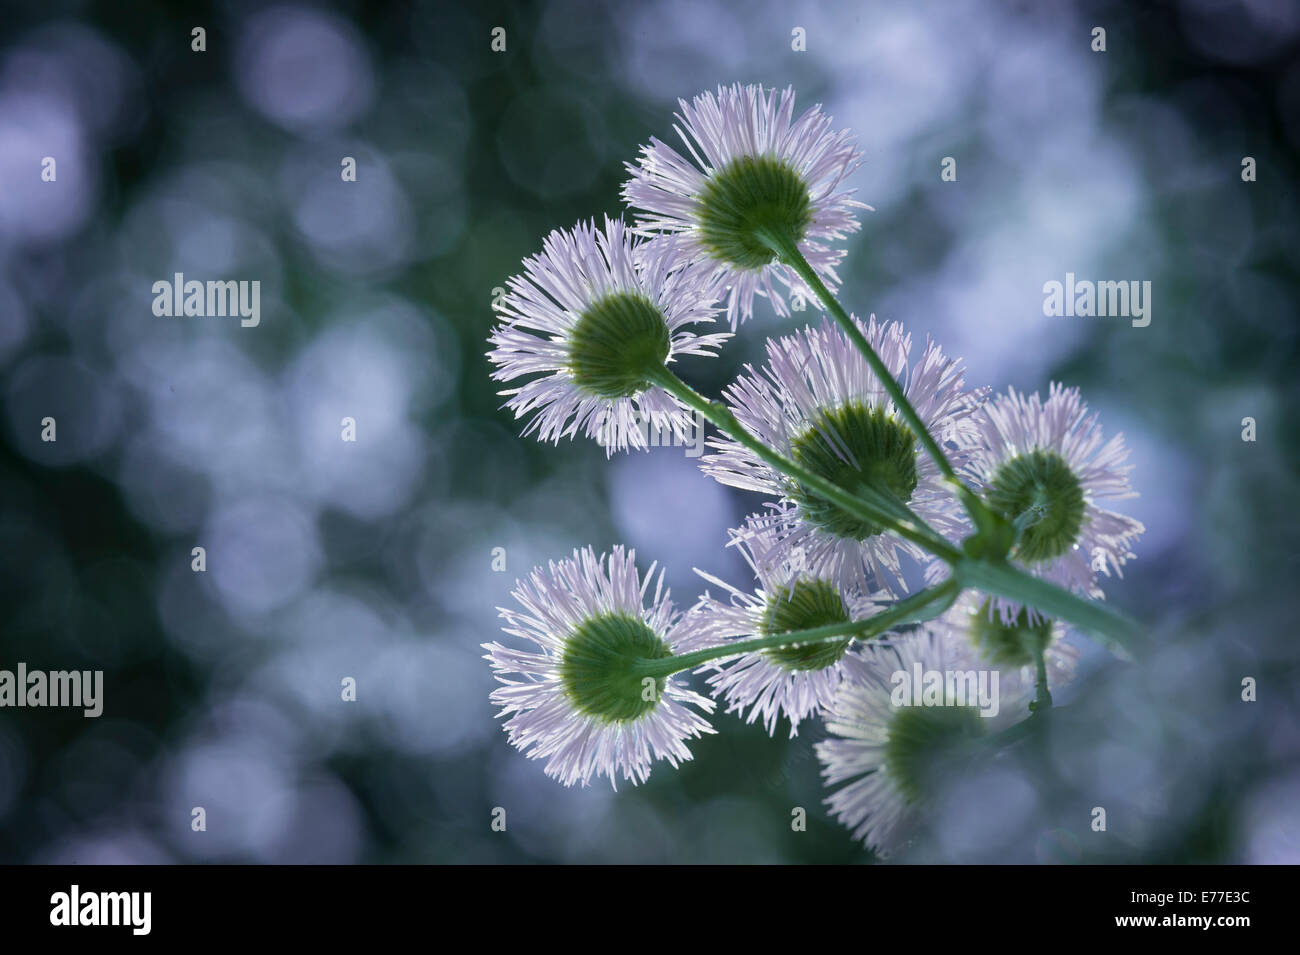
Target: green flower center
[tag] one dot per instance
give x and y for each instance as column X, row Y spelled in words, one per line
column 854, row 447
column 617, row 344
column 748, row 197
column 1013, row 645
column 806, row 604
column 599, row 671
column 921, row 739
column 1039, row 490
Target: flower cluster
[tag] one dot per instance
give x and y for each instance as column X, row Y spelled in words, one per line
column 869, row 454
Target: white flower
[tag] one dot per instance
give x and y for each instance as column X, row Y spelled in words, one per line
column 796, row 681
column 1045, row 464
column 594, row 315
column 752, row 168
column 973, row 619
column 818, row 401
column 888, row 749
column 579, row 701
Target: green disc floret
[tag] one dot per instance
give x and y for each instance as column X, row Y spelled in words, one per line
column 802, row 606
column 921, row 738
column 749, row 197
column 1009, row 645
column 1038, row 490
column 599, row 667
column 618, row 343
column 855, row 447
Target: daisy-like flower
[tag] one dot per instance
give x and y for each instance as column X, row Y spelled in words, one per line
column 818, row 401
column 597, row 317
column 1044, row 465
column 581, row 700
column 754, row 172
column 795, row 681
column 974, row 619
column 892, row 738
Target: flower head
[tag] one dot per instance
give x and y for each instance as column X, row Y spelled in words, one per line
column 974, row 619
column 754, row 173
column 818, row 401
column 1043, row 464
column 795, row 681
column 892, row 745
column 597, row 317
column 581, row 701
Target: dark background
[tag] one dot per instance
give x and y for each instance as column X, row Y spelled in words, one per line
column 373, row 560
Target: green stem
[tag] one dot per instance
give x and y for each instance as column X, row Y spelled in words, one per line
column 787, row 249
column 1118, row 632
column 922, row 605
column 1042, row 695
column 893, row 515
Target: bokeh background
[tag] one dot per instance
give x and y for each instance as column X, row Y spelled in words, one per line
column 373, row 560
